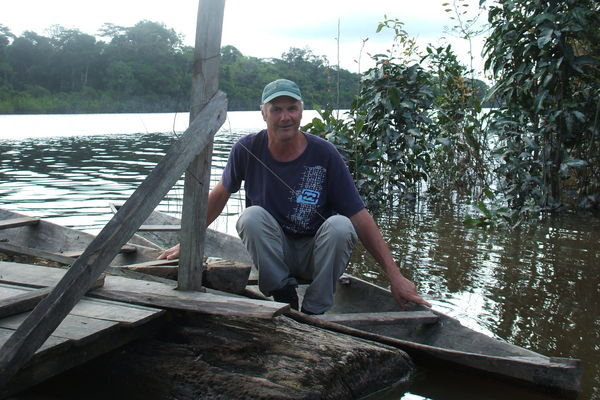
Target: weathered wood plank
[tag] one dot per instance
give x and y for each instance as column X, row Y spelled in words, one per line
column 126, row 314
column 204, row 303
column 52, row 342
column 222, row 275
column 382, row 318
column 72, row 327
column 159, row 228
column 205, row 83
column 16, row 222
column 25, row 299
column 126, row 249
column 49, row 312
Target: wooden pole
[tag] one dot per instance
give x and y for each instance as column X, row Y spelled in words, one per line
column 205, row 83
column 50, row 312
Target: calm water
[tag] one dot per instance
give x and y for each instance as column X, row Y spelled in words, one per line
column 537, row 286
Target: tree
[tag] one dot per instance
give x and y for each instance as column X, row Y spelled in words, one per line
column 545, row 59
column 6, row 37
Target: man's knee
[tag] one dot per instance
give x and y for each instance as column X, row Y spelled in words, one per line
column 251, row 218
column 340, row 229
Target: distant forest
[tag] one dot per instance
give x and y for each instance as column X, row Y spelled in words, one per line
column 145, row 68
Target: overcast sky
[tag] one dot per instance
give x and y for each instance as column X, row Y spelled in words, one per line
column 258, row 28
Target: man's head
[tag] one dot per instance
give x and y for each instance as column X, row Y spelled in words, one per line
column 278, row 88
column 282, row 108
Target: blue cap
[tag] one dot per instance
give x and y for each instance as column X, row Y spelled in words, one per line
column 280, row 87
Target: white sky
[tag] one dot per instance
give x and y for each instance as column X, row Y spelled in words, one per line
column 258, row 28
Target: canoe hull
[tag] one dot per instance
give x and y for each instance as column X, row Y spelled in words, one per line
column 52, row 238
column 449, row 341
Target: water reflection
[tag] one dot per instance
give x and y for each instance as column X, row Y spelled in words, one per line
column 537, row 286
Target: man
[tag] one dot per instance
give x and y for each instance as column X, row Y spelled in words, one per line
column 303, row 212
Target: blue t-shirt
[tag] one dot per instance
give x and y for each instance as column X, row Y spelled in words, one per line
column 300, row 194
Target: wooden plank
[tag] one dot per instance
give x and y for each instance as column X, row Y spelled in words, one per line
column 49, row 312
column 205, row 83
column 126, row 249
column 382, row 318
column 16, row 222
column 222, row 275
column 30, row 275
column 22, row 302
column 203, row 303
column 72, row 327
column 159, row 228
column 152, row 263
column 126, row 314
column 26, row 299
column 52, row 342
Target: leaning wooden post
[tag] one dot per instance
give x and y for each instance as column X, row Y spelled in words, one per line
column 205, row 83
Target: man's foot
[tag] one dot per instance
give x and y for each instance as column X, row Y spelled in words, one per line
column 286, row 294
column 305, row 311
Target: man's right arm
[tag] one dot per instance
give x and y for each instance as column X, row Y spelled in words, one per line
column 217, row 198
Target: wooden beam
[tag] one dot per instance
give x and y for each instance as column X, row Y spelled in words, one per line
column 381, row 318
column 48, row 314
column 16, row 222
column 205, row 83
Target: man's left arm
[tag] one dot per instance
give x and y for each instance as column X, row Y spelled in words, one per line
column 369, row 234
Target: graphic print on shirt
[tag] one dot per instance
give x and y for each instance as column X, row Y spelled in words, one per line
column 306, row 197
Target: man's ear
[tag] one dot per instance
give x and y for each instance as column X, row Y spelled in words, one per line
column 263, row 112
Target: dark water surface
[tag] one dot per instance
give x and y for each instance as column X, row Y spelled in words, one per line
column 537, row 286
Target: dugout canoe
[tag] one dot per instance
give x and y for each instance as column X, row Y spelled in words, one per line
column 369, row 311
column 34, row 237
column 361, row 308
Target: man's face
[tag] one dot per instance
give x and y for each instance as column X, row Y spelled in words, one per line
column 283, row 116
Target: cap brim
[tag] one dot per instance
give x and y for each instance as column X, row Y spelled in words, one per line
column 282, row 93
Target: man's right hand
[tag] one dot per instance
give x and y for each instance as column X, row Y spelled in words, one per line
column 170, row 254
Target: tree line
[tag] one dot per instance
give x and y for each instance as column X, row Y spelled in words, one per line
column 145, row 68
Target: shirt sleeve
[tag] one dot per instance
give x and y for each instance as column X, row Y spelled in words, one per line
column 344, row 196
column 235, row 169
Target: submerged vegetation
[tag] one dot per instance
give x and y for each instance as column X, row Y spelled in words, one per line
column 417, row 125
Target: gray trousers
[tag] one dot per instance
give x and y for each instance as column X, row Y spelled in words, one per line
column 284, row 260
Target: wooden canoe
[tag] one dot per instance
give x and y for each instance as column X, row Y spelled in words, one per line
column 34, row 237
column 369, row 311
column 29, row 237
column 361, row 309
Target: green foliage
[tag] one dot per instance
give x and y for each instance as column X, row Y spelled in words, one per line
column 413, row 122
column 546, row 60
column 385, row 137
column 459, row 160
column 145, row 68
column 490, row 212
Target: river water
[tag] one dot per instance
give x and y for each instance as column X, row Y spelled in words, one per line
column 537, row 286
